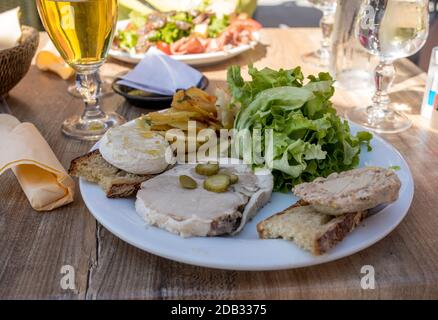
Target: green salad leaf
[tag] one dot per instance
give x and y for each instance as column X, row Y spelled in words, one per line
column 309, row 139
column 246, row 91
column 182, row 16
column 128, row 39
column 217, row 25
column 170, row 33
column 137, row 18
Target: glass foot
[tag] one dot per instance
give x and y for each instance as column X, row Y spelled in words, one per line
column 90, row 130
column 379, row 120
column 316, row 59
column 355, row 80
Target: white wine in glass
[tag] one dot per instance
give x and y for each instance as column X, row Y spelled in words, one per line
column 321, row 58
column 390, row 29
column 82, row 31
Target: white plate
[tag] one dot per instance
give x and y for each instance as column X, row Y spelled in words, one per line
column 246, row 251
column 201, row 59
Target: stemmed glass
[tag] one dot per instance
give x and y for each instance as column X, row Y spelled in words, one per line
column 321, row 58
column 104, row 90
column 389, row 29
column 82, row 31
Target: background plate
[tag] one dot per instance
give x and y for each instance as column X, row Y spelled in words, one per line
column 246, row 251
column 200, row 59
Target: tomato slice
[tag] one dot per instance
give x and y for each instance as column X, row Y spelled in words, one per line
column 248, row 24
column 254, row 24
column 163, row 46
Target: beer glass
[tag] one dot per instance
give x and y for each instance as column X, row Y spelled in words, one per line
column 82, row 31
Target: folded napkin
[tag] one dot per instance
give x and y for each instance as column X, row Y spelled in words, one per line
column 40, row 174
column 10, row 28
column 158, row 73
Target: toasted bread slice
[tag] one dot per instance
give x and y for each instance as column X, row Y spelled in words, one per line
column 115, row 182
column 313, row 231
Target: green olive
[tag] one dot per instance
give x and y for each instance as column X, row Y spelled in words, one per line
column 207, row 169
column 217, row 183
column 187, row 182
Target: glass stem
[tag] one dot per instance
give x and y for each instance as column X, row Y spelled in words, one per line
column 383, row 78
column 89, row 84
column 326, row 24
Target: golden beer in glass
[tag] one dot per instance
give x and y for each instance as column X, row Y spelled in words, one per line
column 82, row 31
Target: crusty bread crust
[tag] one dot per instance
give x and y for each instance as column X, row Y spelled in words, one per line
column 124, row 190
column 328, row 236
column 74, row 164
column 338, row 230
column 263, row 225
column 115, row 182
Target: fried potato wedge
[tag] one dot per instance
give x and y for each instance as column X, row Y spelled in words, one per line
column 184, row 125
column 214, row 125
column 203, row 99
column 195, row 100
column 170, row 116
column 187, row 105
column 161, row 127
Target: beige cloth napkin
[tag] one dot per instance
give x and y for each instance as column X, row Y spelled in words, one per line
column 10, row 29
column 40, row 174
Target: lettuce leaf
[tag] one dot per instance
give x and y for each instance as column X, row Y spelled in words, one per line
column 309, row 139
column 128, row 39
column 138, row 19
column 246, row 91
column 171, row 33
column 217, row 25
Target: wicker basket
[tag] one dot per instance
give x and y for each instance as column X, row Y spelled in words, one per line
column 15, row 62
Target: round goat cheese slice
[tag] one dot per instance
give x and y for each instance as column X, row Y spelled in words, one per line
column 134, row 150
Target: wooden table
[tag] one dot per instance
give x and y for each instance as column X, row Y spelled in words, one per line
column 34, row 246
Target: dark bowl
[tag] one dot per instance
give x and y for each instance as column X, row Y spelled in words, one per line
column 147, row 99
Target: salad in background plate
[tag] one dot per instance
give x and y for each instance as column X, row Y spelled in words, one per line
column 184, row 33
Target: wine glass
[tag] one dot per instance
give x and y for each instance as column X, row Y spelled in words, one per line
column 389, row 29
column 321, row 58
column 82, row 31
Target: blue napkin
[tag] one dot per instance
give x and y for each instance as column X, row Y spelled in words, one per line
column 158, row 73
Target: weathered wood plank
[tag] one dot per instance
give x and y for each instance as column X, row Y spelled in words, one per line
column 34, row 246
